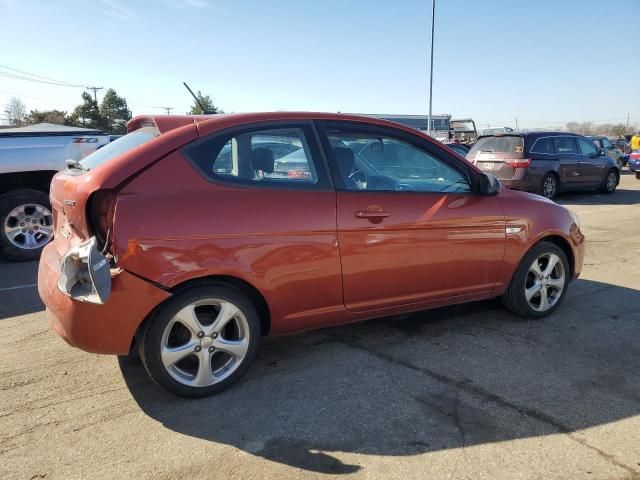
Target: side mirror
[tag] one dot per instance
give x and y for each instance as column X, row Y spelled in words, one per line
column 601, row 152
column 489, row 185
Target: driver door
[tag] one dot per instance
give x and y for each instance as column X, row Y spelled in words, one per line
column 409, row 228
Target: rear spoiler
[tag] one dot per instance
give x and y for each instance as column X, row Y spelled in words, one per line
column 164, row 123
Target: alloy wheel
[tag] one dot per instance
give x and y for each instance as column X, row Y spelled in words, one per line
column 29, row 226
column 544, row 282
column 205, row 342
column 549, row 187
column 612, row 180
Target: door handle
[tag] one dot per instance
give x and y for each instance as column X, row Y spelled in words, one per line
column 372, row 214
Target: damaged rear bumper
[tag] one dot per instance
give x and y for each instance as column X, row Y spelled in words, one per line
column 100, row 328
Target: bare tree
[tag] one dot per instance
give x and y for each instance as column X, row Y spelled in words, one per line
column 16, row 111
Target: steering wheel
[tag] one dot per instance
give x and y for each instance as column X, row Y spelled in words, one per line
column 360, row 178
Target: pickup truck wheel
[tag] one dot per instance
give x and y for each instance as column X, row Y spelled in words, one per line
column 27, row 224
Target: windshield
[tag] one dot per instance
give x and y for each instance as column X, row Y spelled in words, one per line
column 462, row 126
column 500, row 144
column 119, row 146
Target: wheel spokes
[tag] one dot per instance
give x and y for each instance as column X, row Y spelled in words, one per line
column 30, row 240
column 544, row 299
column 187, row 317
column 551, row 265
column 172, row 355
column 227, row 312
column 535, row 269
column 204, row 375
column 235, row 348
column 557, row 283
column 213, row 340
column 531, row 291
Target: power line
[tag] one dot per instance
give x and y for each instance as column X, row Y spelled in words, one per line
column 39, row 76
column 32, row 77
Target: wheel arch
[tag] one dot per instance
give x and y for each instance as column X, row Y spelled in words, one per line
column 564, row 245
column 227, row 280
column 36, row 180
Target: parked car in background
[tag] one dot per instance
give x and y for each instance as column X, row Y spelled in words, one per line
column 29, row 158
column 621, row 143
column 610, row 149
column 634, row 164
column 459, row 148
column 493, row 131
column 546, row 162
column 157, row 248
column 464, row 130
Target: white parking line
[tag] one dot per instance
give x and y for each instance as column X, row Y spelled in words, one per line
column 18, row 287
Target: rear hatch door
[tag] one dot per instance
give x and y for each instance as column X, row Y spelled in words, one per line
column 496, row 154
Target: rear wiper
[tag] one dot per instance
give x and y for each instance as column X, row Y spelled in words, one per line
column 486, row 151
column 71, row 163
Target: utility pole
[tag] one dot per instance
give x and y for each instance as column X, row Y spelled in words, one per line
column 516, row 124
column 95, row 90
column 433, row 22
column 167, row 109
column 626, row 130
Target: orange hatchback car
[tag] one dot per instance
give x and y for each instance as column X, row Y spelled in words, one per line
column 191, row 237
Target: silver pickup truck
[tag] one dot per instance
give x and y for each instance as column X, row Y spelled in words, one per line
column 29, row 158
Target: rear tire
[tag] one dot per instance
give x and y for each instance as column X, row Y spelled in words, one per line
column 189, row 349
column 549, row 186
column 524, row 296
column 29, row 200
column 610, row 182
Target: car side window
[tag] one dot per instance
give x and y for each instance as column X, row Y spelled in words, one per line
column 382, row 163
column 270, row 156
column 587, row 147
column 565, row 145
column 544, row 145
column 607, row 144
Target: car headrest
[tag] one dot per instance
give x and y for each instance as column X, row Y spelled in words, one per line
column 262, row 159
column 345, row 158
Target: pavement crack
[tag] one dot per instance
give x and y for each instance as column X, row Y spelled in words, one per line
column 472, row 389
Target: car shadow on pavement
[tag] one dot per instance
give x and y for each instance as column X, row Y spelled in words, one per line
column 442, row 379
column 619, row 197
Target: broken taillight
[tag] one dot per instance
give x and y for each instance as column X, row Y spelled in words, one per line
column 101, row 211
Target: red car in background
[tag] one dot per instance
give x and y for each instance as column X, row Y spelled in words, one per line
column 191, row 237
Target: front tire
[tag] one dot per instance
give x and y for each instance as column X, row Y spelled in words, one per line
column 201, row 341
column 26, row 224
column 610, row 182
column 540, row 282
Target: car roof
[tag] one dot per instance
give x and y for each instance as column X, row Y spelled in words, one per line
column 529, row 133
column 206, row 124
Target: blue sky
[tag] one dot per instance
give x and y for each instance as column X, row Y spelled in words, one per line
column 545, row 62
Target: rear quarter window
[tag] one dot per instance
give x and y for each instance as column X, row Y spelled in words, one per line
column 271, row 157
column 544, row 146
